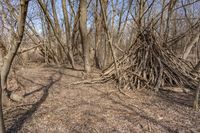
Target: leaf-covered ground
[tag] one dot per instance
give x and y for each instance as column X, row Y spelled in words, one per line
column 52, row 105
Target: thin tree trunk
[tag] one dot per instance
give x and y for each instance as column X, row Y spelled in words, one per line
column 109, row 40
column 57, row 29
column 196, row 100
column 67, row 30
column 140, row 15
column 191, row 44
column 97, row 36
column 84, row 37
column 11, row 54
column 171, row 6
column 48, row 17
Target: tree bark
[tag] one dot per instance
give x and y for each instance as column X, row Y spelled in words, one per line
column 57, row 29
column 84, row 37
column 67, row 30
column 109, row 39
column 190, row 46
column 140, row 19
column 11, row 54
column 196, row 100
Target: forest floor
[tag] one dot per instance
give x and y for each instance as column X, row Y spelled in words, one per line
column 52, row 105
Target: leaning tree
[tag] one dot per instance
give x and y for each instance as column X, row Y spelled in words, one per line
column 8, row 59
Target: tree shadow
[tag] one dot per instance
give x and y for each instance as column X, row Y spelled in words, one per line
column 182, row 99
column 121, row 109
column 21, row 118
column 74, row 75
column 29, row 80
column 65, row 67
column 135, row 111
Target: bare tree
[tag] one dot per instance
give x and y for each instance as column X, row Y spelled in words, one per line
column 84, row 36
column 57, row 30
column 11, row 54
column 68, row 32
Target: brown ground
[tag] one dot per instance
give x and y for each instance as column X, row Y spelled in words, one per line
column 51, row 105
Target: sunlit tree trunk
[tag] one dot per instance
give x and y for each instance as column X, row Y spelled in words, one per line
column 57, row 29
column 84, row 37
column 11, row 54
column 190, row 46
column 67, row 34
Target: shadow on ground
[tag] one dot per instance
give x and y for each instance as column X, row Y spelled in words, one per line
column 89, row 108
column 20, row 114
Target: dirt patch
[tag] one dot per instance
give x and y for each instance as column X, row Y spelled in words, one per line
column 51, row 105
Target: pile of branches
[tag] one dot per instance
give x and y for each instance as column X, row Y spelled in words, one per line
column 147, row 64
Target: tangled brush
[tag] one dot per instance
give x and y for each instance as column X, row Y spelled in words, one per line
column 147, row 64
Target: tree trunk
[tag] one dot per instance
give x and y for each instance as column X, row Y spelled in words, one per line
column 2, row 96
column 11, row 54
column 196, row 100
column 84, row 37
column 190, row 46
column 67, row 30
column 110, row 42
column 140, row 19
column 57, row 29
column 48, row 18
